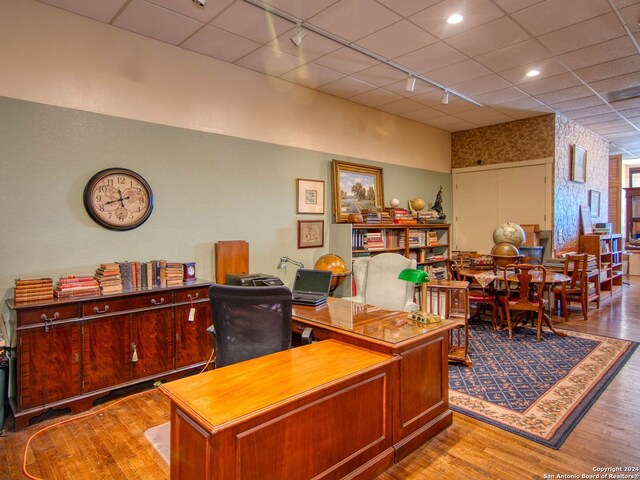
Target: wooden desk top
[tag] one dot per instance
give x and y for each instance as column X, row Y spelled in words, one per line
column 223, row 397
column 551, row 277
column 389, row 327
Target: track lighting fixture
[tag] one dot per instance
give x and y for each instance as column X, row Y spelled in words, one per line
column 411, row 84
column 445, row 98
column 297, row 37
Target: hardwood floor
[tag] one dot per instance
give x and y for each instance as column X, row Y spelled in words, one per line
column 111, row 444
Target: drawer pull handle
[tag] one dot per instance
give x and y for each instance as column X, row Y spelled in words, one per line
column 155, row 302
column 192, row 297
column 44, row 317
column 97, row 310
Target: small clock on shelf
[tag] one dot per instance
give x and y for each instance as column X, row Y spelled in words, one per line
column 189, row 272
column 118, row 199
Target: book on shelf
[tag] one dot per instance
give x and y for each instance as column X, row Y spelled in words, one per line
column 76, row 286
column 33, row 289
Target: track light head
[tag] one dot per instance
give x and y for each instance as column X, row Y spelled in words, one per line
column 445, row 98
column 297, row 37
column 411, row 84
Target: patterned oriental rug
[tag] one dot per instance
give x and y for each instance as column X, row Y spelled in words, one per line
column 537, row 390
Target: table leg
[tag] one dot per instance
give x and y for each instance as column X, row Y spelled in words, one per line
column 547, row 320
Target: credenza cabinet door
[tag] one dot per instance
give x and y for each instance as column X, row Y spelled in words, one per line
column 152, row 334
column 107, row 352
column 193, row 343
column 49, row 364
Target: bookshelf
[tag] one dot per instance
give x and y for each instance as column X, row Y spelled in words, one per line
column 428, row 244
column 608, row 252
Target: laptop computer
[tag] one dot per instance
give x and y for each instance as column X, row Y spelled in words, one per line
column 311, row 287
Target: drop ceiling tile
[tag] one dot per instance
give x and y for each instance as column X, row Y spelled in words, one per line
column 102, row 11
column 346, row 87
column 550, row 15
column 600, row 53
column 581, row 35
column 459, row 72
column 432, row 97
column 550, row 84
column 631, row 16
column 501, row 96
column 522, row 53
column 475, row 13
column 604, row 117
column 489, row 37
column 478, row 86
column 431, row 57
column 549, row 67
column 624, row 105
column 563, row 95
column 192, row 9
column 220, row 44
column 313, row 45
column 578, row 103
column 424, row 115
column 521, row 113
column 156, row 22
column 397, row 39
column 406, row 8
column 400, row 107
column 311, row 75
column 451, row 123
column 298, row 9
column 484, row 116
column 623, row 135
column 610, row 69
column 588, row 111
column 380, row 75
column 251, row 22
column 527, row 103
column 270, row 61
column 616, row 83
column 455, row 106
column 374, row 98
column 347, row 19
column 421, row 88
column 347, row 61
column 511, row 6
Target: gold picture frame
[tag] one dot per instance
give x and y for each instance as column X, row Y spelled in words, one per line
column 310, row 195
column 355, row 188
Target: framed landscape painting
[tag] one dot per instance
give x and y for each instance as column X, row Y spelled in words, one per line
column 355, row 188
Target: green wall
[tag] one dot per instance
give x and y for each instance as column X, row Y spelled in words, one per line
column 207, row 187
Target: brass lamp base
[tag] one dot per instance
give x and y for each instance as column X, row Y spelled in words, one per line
column 424, row 317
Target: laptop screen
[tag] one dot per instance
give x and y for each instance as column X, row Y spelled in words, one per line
column 312, row 281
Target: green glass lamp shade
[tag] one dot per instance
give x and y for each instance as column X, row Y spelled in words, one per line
column 413, row 275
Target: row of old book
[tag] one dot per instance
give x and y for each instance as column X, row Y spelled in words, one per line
column 33, row 289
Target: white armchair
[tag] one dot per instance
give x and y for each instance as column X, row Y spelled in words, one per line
column 377, row 283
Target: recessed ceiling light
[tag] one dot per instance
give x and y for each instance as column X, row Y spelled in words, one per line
column 455, row 18
column 533, row 73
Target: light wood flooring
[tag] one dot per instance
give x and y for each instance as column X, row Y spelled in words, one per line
column 111, row 444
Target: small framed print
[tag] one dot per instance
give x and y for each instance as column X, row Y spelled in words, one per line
column 310, row 196
column 578, row 164
column 310, row 233
column 594, row 203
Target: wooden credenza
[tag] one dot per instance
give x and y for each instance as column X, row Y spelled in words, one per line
column 71, row 351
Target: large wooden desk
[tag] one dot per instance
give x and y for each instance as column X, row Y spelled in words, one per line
column 317, row 411
column 421, row 394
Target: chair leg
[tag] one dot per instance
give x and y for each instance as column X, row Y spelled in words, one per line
column 509, row 321
column 585, row 307
column 540, row 315
column 565, row 308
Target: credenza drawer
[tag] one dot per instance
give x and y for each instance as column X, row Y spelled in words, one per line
column 192, row 294
column 106, row 305
column 53, row 313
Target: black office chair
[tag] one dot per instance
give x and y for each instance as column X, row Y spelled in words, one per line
column 249, row 322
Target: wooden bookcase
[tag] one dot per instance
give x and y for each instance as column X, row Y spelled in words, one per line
column 428, row 244
column 608, row 252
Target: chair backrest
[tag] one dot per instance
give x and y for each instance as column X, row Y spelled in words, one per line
column 529, row 293
column 377, row 281
column 249, row 322
column 575, row 266
column 453, row 269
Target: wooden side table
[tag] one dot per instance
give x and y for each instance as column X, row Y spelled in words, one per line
column 450, row 300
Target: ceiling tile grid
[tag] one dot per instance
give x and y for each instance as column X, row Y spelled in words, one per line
column 588, row 58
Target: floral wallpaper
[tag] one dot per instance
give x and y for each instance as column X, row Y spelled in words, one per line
column 568, row 195
column 528, row 139
column 540, row 137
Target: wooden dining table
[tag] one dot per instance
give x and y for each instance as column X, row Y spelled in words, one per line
column 486, row 277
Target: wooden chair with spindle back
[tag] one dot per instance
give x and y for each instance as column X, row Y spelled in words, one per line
column 577, row 289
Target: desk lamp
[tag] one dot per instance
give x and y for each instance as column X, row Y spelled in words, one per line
column 285, row 261
column 420, row 277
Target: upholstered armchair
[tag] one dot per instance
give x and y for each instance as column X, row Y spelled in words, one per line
column 377, row 283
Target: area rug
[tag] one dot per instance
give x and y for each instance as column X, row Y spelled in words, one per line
column 539, row 390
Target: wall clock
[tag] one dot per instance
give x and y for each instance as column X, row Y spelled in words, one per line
column 118, row 199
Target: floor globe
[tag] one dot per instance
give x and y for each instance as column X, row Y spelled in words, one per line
column 505, row 253
column 509, row 232
column 337, row 267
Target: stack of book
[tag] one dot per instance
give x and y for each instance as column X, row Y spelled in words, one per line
column 76, row 286
column 174, row 274
column 401, row 216
column 432, row 239
column 375, row 240
column 109, row 278
column 417, row 238
column 437, row 273
column 33, row 289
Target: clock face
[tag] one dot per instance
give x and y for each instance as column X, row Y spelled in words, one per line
column 118, row 199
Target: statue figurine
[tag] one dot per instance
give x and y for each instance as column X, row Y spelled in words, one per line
column 437, row 205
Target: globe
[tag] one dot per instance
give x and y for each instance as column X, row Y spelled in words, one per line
column 509, row 232
column 418, row 204
column 336, row 265
column 505, row 253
